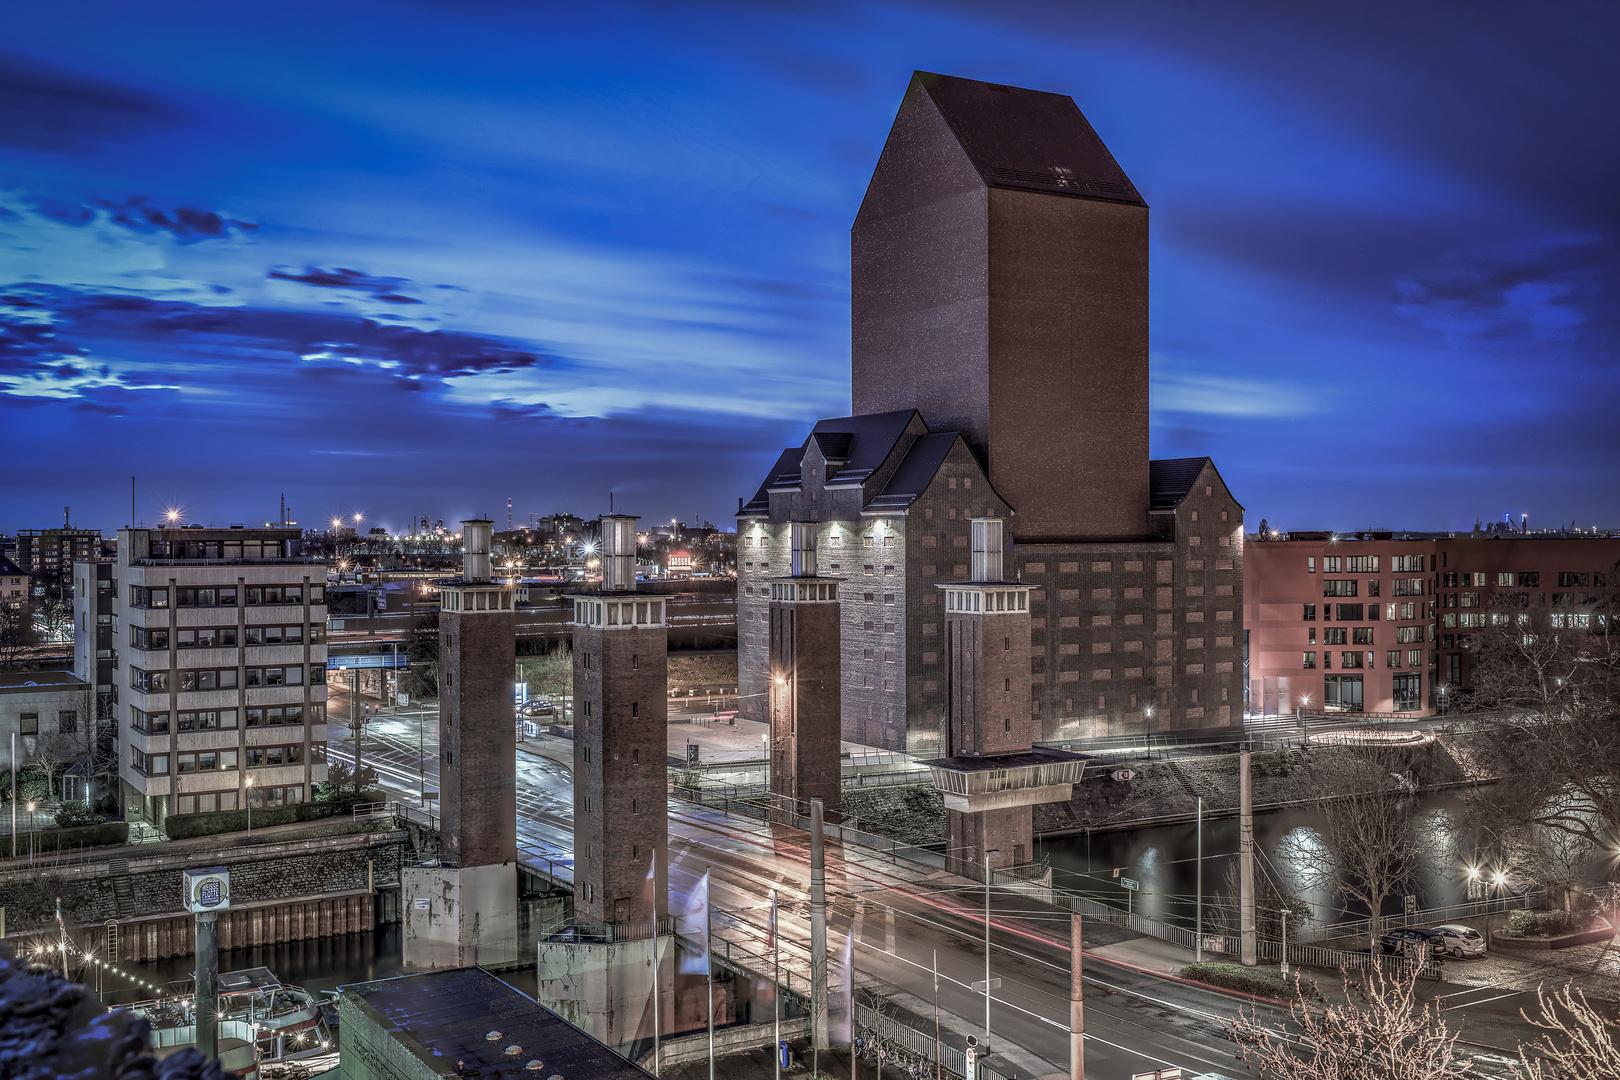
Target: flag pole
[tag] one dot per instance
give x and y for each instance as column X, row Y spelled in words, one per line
column 708, row 941
column 854, row 1039
column 939, row 1064
column 776, row 985
column 658, row 1000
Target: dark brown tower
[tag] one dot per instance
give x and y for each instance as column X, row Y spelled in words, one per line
column 999, row 275
column 993, row 775
column 477, row 733
column 805, row 690
column 621, row 685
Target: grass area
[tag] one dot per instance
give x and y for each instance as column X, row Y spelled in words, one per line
column 912, row 814
column 1263, row 982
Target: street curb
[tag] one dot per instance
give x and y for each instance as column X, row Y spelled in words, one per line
column 1184, row 981
column 549, row 755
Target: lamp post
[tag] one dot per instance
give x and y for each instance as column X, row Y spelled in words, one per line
column 31, row 805
column 250, row 808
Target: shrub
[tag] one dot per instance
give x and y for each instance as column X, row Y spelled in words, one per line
column 110, row 832
column 1546, row 923
column 74, row 815
column 1262, row 981
column 212, row 822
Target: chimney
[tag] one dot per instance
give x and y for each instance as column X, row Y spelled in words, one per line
column 803, row 563
column 619, row 553
column 986, row 555
column 475, row 535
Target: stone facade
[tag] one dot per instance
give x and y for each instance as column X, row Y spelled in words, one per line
column 621, row 709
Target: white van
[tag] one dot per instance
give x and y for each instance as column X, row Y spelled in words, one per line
column 1460, row 941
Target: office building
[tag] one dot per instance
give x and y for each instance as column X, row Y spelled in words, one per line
column 1380, row 623
column 220, row 667
column 1000, row 369
column 49, row 554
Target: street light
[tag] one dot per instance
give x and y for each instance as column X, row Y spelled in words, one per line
column 250, row 808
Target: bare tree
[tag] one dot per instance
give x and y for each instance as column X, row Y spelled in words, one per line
column 1365, row 845
column 17, row 634
column 1582, row 1041
column 1382, row 1033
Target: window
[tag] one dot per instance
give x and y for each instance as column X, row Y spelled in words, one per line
column 1406, row 635
column 1341, row 693
column 1310, row 636
column 1335, row 635
column 143, row 638
column 1475, row 620
column 1414, row 657
column 1531, row 580
column 1408, row 587
column 1470, row 599
column 1310, row 660
column 1331, row 564
column 1407, row 564
column 1310, row 612
column 1448, row 581
column 28, row 723
column 1454, row 669
column 1392, row 658
column 142, row 597
column 1339, row 587
column 1408, row 692
column 1310, row 564
column 1505, row 577
column 149, row 723
column 1361, row 564
column 149, row 682
column 1362, row 635
column 1347, row 612
column 1372, row 587
column 1572, row 580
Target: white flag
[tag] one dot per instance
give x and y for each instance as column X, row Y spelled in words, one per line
column 694, row 929
column 841, row 1021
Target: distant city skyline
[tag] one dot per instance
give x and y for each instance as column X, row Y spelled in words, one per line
column 406, row 259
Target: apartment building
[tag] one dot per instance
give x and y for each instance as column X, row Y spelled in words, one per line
column 16, row 587
column 220, row 667
column 1386, row 623
column 49, row 554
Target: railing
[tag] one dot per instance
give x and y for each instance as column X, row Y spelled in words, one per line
column 1429, row 916
column 371, row 810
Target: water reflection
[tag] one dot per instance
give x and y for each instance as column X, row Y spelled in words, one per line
column 1164, row 860
column 316, row 965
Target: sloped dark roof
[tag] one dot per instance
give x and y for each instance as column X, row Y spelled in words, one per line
column 871, row 438
column 1028, row 139
column 834, row 445
column 916, row 471
column 11, row 569
column 785, row 471
column 1169, row 480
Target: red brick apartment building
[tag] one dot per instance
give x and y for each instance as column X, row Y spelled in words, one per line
column 1373, row 623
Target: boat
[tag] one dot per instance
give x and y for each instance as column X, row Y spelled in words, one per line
column 267, row 1028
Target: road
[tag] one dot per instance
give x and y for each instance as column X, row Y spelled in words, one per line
column 1135, row 1021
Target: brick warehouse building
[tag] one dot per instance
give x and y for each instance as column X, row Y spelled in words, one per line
column 1372, row 623
column 1000, row 368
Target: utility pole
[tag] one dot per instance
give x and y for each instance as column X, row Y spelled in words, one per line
column 1077, row 1016
column 1246, row 919
column 818, row 932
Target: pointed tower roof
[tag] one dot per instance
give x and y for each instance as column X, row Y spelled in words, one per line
column 1028, row 139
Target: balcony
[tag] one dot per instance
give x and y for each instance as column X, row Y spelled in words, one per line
column 975, row 784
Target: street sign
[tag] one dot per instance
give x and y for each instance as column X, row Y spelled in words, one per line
column 1123, row 774
column 207, row 889
column 402, row 698
column 972, row 1063
column 995, row 984
column 1411, row 905
column 1130, row 883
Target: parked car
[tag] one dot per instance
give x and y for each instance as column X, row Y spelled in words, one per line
column 1411, row 940
column 1460, row 941
column 537, row 708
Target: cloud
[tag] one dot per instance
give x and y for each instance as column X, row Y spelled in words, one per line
column 380, row 288
column 1218, row 395
column 186, row 223
column 53, row 111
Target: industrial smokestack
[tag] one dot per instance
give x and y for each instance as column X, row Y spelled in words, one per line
column 475, row 536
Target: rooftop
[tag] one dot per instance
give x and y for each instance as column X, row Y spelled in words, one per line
column 17, row 682
column 469, row 1018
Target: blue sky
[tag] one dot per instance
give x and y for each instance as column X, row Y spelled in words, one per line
column 420, row 257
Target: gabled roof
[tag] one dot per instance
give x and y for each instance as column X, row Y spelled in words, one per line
column 1027, row 139
column 11, row 569
column 787, row 465
column 1169, row 480
column 871, row 438
column 916, row 471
